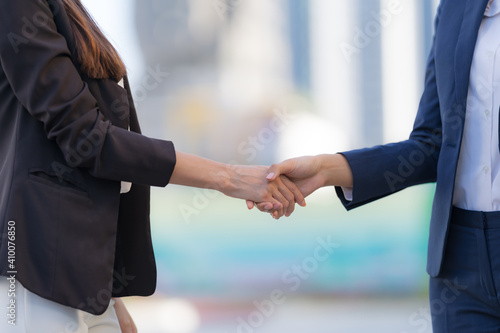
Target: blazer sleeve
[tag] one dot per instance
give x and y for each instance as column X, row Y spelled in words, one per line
column 382, row 170
column 36, row 62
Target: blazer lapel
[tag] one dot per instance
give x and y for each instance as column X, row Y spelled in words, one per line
column 473, row 15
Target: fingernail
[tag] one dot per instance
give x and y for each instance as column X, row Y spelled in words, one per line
column 268, row 206
column 303, row 204
column 277, row 206
column 270, row 176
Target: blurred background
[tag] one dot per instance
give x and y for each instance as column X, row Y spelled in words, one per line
column 255, row 82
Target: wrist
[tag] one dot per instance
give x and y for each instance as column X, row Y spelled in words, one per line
column 325, row 167
column 224, row 179
column 334, row 170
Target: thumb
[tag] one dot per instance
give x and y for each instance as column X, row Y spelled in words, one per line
column 276, row 170
column 250, row 204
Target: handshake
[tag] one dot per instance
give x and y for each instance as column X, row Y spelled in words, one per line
column 274, row 189
column 277, row 189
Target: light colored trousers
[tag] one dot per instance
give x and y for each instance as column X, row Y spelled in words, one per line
column 34, row 314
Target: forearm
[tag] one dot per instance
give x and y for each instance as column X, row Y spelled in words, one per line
column 194, row 171
column 335, row 170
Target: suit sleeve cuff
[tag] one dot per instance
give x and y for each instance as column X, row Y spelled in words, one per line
column 347, row 192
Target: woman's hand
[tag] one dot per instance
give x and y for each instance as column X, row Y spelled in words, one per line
column 278, row 195
column 309, row 173
column 127, row 324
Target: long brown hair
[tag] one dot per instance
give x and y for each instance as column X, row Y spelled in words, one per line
column 98, row 58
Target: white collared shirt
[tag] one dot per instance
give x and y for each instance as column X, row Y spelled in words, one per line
column 125, row 186
column 477, row 183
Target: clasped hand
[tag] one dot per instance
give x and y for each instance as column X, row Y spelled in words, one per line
column 288, row 183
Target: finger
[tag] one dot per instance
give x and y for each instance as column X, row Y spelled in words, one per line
column 250, row 204
column 290, row 196
column 265, row 207
column 276, row 170
column 279, row 210
column 277, row 200
column 298, row 196
column 273, row 209
column 285, row 191
column 276, row 190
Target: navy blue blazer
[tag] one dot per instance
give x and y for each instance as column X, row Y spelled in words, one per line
column 64, row 148
column 431, row 152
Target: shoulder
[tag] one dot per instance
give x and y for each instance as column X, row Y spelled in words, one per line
column 24, row 21
column 26, row 14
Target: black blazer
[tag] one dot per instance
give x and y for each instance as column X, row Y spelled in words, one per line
column 64, row 148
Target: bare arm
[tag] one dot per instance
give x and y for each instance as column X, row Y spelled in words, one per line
column 237, row 181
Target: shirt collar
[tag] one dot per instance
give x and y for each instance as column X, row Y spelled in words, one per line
column 493, row 8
